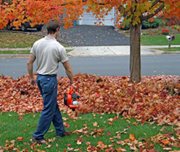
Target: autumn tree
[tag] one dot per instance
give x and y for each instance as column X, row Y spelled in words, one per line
column 39, row 11
column 134, row 12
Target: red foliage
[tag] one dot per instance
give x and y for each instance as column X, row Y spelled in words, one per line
column 165, row 31
column 146, row 101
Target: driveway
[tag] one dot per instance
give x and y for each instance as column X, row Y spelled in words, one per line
column 86, row 35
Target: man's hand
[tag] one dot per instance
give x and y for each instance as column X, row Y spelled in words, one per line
column 32, row 81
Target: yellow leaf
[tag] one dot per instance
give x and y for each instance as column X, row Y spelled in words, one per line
column 132, row 137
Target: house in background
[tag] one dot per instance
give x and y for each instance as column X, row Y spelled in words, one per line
column 89, row 19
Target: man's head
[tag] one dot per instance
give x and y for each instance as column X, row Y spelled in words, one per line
column 53, row 26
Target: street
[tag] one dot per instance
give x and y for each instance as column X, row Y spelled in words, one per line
column 165, row 64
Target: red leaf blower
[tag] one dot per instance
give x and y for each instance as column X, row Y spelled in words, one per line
column 70, row 98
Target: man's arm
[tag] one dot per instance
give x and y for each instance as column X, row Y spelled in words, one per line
column 30, row 67
column 68, row 70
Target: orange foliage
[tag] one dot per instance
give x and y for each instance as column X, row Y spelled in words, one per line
column 132, row 11
column 173, row 10
column 40, row 11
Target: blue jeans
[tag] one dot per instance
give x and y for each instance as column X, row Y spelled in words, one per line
column 48, row 87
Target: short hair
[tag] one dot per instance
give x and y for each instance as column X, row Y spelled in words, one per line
column 52, row 26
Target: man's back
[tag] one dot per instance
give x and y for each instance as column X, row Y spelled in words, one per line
column 48, row 53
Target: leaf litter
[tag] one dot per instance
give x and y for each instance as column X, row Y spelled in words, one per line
column 154, row 99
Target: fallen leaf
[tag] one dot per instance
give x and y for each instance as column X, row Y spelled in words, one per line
column 165, row 141
column 20, row 138
column 101, row 145
column 95, row 124
column 67, row 125
column 132, row 137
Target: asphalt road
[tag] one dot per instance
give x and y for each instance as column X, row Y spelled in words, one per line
column 165, row 64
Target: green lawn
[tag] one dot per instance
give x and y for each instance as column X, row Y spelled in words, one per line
column 23, row 51
column 17, row 39
column 158, row 40
column 15, row 52
column 89, row 129
column 172, row 49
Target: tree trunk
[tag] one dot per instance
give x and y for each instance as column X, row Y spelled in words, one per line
column 135, row 53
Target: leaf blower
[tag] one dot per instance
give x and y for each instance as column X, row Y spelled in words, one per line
column 71, row 98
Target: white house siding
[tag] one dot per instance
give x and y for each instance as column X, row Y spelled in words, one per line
column 90, row 19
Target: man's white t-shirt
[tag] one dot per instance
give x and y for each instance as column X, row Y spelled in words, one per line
column 48, row 52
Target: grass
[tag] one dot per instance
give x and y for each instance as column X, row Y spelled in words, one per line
column 17, row 39
column 14, row 51
column 96, row 128
column 172, row 49
column 23, row 51
column 158, row 40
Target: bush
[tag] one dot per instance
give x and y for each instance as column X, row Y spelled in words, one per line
column 165, row 31
column 145, row 25
column 125, row 27
column 154, row 24
column 176, row 27
column 160, row 21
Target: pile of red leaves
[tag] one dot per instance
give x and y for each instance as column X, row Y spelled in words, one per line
column 148, row 100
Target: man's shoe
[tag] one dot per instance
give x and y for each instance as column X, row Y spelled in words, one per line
column 39, row 141
column 65, row 134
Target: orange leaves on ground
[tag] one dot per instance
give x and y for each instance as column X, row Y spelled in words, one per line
column 148, row 100
column 132, row 137
column 166, row 140
column 79, row 141
column 20, row 138
column 101, row 145
column 66, row 125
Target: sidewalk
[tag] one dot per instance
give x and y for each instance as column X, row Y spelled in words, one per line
column 98, row 51
column 115, row 50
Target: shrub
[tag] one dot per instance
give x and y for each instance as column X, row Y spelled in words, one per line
column 176, row 27
column 165, row 31
column 146, row 25
column 124, row 26
column 160, row 21
column 154, row 25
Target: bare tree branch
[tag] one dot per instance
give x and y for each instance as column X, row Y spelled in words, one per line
column 155, row 12
column 155, row 2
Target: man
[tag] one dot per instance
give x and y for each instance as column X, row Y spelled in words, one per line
column 48, row 52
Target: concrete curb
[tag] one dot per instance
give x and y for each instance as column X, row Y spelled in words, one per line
column 98, row 51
